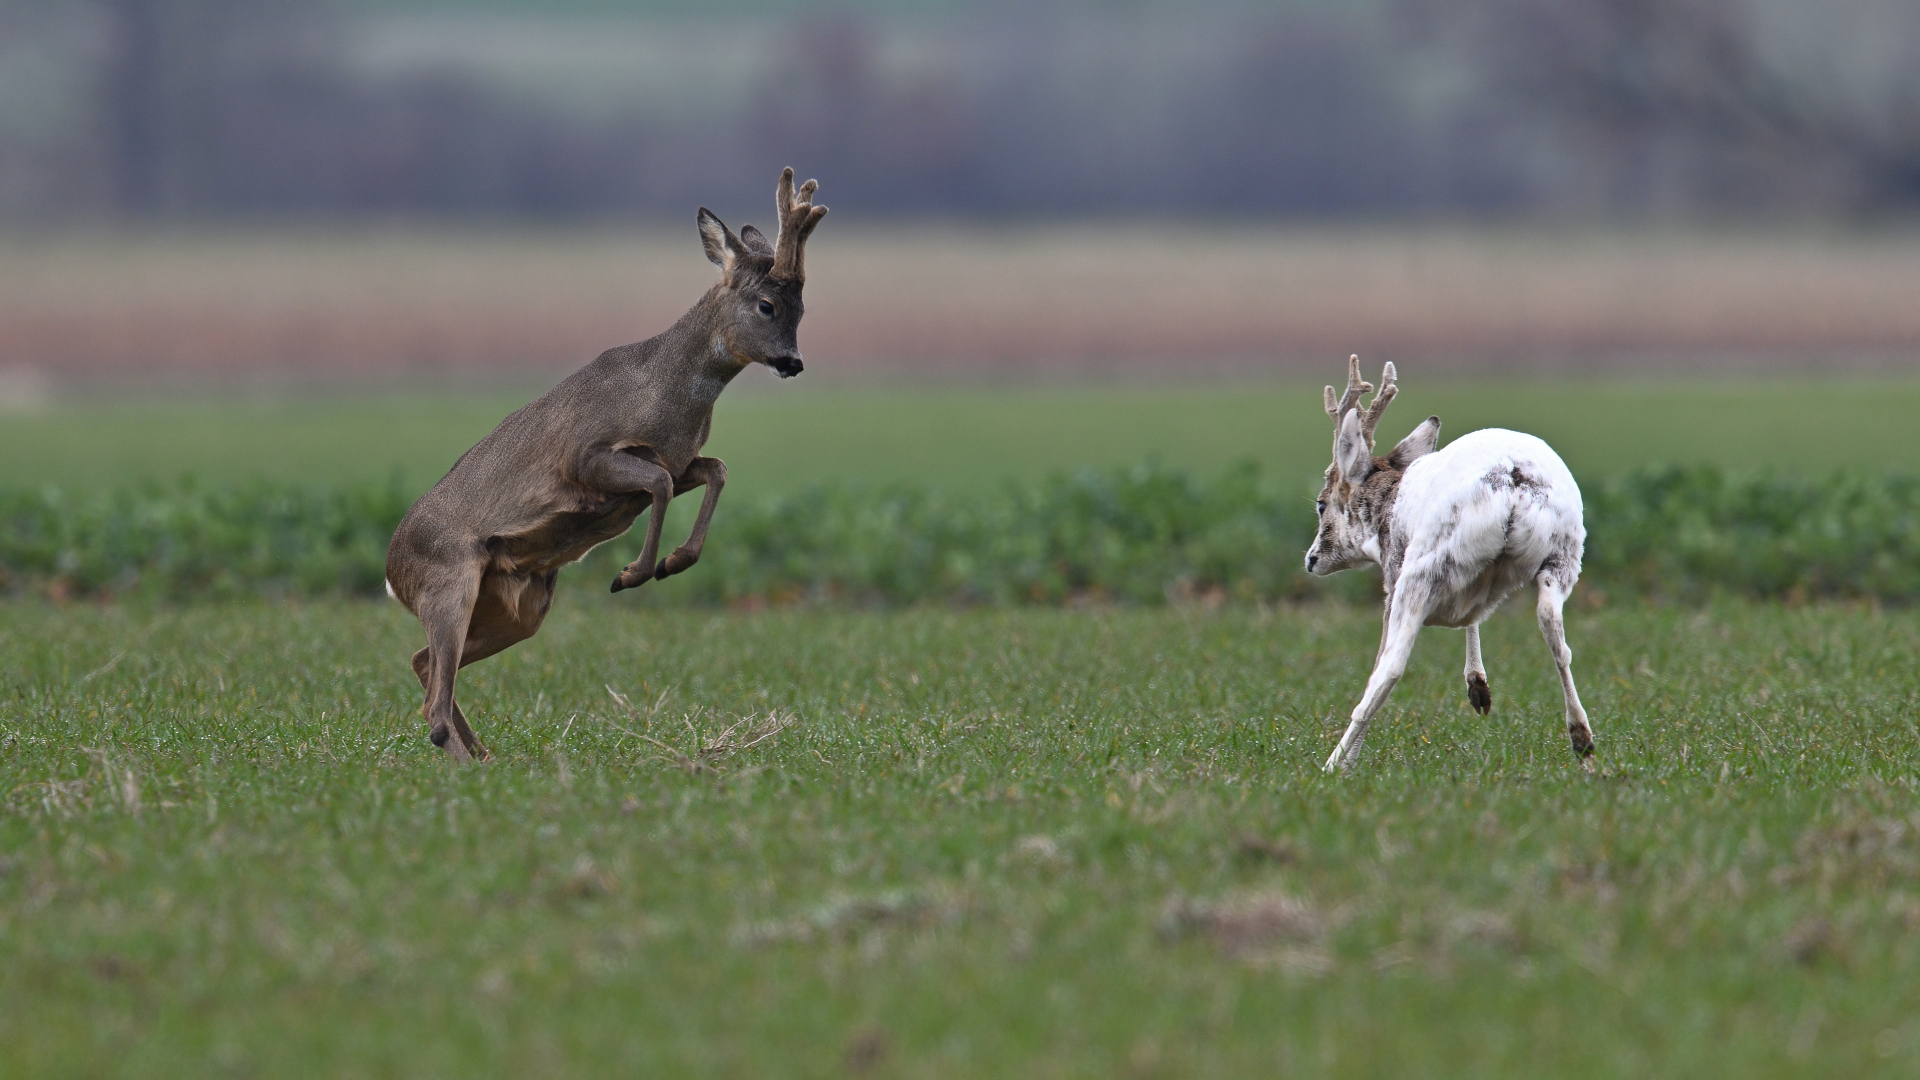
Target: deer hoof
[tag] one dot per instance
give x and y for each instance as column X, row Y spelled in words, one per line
column 680, row 559
column 617, row 584
column 1479, row 694
column 1582, row 741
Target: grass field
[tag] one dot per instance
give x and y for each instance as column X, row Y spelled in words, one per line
column 985, row 843
column 778, row 438
column 1021, row 843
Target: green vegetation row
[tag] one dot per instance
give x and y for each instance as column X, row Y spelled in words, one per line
column 1142, row 536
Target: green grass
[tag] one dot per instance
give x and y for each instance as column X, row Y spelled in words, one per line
column 993, row 843
column 780, row 438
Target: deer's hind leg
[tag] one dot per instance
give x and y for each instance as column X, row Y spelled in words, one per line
column 445, row 607
column 1555, row 583
column 1479, row 694
column 507, row 609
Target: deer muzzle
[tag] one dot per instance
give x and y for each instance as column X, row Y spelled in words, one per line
column 786, row 366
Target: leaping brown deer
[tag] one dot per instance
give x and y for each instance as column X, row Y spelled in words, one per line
column 1454, row 532
column 476, row 558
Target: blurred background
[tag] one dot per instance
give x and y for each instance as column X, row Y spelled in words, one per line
column 337, row 241
column 1294, row 109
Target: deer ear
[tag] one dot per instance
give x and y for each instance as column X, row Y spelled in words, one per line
column 723, row 248
column 756, row 241
column 1420, row 442
column 1351, row 452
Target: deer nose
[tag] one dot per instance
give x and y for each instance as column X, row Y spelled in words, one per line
column 787, row 366
column 1311, row 560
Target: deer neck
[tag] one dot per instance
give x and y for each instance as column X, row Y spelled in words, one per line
column 1371, row 504
column 702, row 359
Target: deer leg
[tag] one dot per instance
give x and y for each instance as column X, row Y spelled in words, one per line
column 446, row 612
column 422, row 669
column 1396, row 645
column 1553, row 595
column 713, row 473
column 622, row 473
column 1479, row 694
column 493, row 628
column 640, row 570
column 1386, row 627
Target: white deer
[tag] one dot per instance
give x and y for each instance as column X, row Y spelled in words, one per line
column 1455, row 532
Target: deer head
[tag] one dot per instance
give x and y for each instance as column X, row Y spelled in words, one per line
column 758, row 297
column 1356, row 503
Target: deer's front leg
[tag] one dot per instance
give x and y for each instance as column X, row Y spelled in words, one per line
column 1405, row 615
column 621, row 474
column 711, row 472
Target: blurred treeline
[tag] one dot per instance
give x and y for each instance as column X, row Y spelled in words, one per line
column 209, row 108
column 1146, row 535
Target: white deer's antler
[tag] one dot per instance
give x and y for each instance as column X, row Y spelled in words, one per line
column 1348, row 402
column 1355, row 387
column 1378, row 406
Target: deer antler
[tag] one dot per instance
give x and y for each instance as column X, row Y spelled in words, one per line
column 1378, row 406
column 1355, row 387
column 798, row 216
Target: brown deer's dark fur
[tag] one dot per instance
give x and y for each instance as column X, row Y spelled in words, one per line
column 476, row 558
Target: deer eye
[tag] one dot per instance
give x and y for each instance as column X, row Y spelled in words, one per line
column 766, row 308
column 1320, row 507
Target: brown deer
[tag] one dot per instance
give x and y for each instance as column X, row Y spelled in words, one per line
column 476, row 558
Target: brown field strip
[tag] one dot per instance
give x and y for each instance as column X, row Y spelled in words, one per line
column 368, row 303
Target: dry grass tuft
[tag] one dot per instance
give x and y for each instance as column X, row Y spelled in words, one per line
column 709, row 749
column 866, row 1050
column 1039, row 849
column 1811, row 940
column 1588, row 879
column 586, row 881
column 1487, row 928
column 1253, row 846
column 1864, row 850
column 110, row 967
column 846, row 916
column 56, row 798
column 1246, row 927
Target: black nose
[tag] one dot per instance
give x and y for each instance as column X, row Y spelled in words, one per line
column 786, row 366
column 1311, row 559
